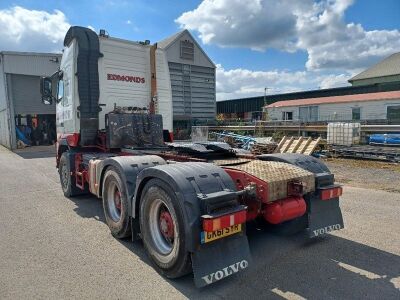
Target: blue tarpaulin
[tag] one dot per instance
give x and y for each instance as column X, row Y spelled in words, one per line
column 21, row 136
column 385, row 139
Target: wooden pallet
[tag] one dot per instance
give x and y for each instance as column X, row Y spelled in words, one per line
column 297, row 145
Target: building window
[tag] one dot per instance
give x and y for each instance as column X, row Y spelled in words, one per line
column 187, row 50
column 393, row 113
column 356, row 113
column 287, row 115
column 308, row 113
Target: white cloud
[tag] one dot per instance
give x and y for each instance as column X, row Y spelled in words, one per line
column 128, row 22
column 316, row 27
column 238, row 83
column 32, row 30
column 333, row 44
column 332, row 81
column 236, row 23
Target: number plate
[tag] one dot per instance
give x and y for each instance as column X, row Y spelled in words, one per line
column 218, row 234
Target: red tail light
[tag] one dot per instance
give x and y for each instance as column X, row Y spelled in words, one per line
column 330, row 193
column 72, row 139
column 211, row 223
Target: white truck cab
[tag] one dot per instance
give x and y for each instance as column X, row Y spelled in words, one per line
column 98, row 73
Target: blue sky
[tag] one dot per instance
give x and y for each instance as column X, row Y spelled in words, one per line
column 284, row 45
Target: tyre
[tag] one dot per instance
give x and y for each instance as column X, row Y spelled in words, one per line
column 115, row 204
column 66, row 179
column 163, row 229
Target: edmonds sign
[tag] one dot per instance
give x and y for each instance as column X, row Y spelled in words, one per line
column 126, row 78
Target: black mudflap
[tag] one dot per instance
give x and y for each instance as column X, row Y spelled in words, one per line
column 324, row 216
column 220, row 259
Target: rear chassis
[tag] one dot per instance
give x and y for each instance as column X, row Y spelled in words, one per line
column 219, row 191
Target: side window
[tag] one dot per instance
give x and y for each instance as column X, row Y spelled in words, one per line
column 393, row 113
column 287, row 115
column 60, row 90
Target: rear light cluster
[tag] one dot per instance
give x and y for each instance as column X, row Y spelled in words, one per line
column 330, row 193
column 216, row 223
column 72, row 139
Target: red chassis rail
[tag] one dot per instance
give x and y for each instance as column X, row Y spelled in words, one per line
column 258, row 205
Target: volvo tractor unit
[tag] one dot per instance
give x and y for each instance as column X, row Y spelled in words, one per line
column 188, row 202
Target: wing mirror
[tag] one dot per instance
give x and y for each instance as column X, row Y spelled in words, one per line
column 46, row 90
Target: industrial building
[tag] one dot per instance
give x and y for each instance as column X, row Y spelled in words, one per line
column 372, row 107
column 20, row 100
column 382, row 77
column 192, row 76
column 251, row 108
column 382, row 107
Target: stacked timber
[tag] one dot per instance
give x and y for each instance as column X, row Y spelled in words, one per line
column 261, row 148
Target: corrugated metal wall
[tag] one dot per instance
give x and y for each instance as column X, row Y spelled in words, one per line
column 26, row 96
column 193, row 91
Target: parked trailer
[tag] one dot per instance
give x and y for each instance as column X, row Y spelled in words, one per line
column 189, row 203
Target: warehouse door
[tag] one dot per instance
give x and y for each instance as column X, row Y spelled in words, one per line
column 34, row 121
column 26, row 96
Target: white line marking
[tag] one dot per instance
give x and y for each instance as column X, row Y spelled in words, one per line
column 359, row 271
column 287, row 295
column 396, row 282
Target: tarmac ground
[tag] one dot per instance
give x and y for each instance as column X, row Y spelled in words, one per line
column 54, row 247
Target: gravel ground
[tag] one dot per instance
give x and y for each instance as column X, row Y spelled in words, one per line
column 368, row 174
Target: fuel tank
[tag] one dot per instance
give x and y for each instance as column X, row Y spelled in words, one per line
column 284, row 210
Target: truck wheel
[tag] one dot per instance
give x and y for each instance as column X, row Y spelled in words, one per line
column 115, row 204
column 66, row 179
column 163, row 230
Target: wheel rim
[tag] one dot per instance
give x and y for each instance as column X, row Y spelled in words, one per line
column 114, row 202
column 64, row 176
column 163, row 230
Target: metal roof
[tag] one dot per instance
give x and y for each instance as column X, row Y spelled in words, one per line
column 31, row 53
column 256, row 103
column 387, row 67
column 339, row 99
column 166, row 43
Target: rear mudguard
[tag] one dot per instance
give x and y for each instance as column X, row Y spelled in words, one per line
column 200, row 187
column 323, row 216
